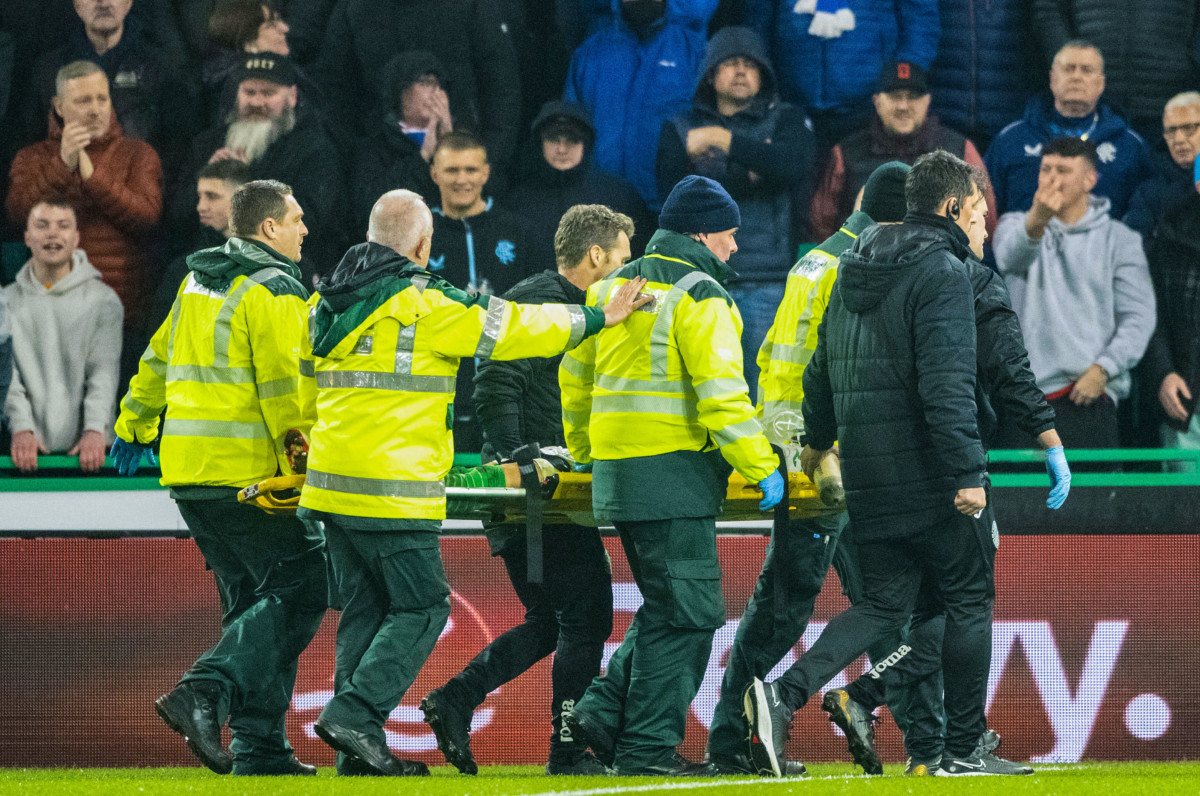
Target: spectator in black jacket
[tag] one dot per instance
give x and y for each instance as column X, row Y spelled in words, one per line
column 467, row 36
column 562, row 174
column 893, row 380
column 763, row 152
column 1171, row 182
column 399, row 148
column 279, row 141
column 569, row 612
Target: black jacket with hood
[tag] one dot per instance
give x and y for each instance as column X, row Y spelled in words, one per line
column 545, row 193
column 770, row 168
column 893, row 377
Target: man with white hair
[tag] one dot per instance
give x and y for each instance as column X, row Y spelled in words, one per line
column 386, row 338
column 1171, row 182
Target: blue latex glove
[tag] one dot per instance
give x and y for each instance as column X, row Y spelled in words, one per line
column 128, row 456
column 1060, row 476
column 772, row 489
column 582, row 467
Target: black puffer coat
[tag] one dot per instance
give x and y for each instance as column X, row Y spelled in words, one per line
column 893, row 377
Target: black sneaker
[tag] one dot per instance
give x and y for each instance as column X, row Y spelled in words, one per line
column 922, row 768
column 676, row 766
column 451, row 725
column 768, row 719
column 191, row 711
column 740, row 766
column 588, row 734
column 981, row 765
column 858, row 724
column 585, row 765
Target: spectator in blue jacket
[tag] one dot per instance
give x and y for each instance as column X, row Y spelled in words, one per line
column 1171, row 182
column 763, row 153
column 634, row 73
column 985, row 66
column 1072, row 110
column 830, row 52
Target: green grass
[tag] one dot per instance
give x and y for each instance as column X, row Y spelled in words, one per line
column 1106, row 779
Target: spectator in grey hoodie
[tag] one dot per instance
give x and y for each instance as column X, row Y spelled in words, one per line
column 1082, row 290
column 66, row 340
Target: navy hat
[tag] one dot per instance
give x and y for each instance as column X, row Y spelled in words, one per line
column 698, row 204
column 903, row 75
column 274, row 68
column 883, row 195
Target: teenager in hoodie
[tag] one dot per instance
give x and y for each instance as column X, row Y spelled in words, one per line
column 763, row 153
column 66, row 337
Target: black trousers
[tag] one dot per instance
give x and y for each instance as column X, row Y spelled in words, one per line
column 570, row 614
column 947, row 567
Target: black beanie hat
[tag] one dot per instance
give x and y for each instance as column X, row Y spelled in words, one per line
column 698, row 204
column 883, row 196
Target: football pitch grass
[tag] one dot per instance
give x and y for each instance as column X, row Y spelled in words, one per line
column 1105, row 779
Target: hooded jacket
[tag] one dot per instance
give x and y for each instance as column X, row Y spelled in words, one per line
column 226, row 366
column 386, row 338
column 632, row 85
column 545, row 193
column 388, row 159
column 893, row 377
column 116, row 207
column 1083, row 295
column 1169, row 186
column 837, row 74
column 769, row 169
column 1015, row 157
column 67, row 347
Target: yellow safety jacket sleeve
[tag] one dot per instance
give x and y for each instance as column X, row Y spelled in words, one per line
column 576, row 375
column 147, row 396
column 286, row 398
column 505, row 329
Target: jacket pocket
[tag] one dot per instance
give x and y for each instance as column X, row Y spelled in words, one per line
column 696, row 594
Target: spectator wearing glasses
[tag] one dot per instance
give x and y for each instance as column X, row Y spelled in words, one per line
column 1171, row 182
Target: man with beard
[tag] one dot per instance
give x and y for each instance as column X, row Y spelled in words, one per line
column 266, row 131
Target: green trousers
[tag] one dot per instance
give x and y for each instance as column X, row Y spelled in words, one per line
column 271, row 576
column 642, row 699
column 395, row 602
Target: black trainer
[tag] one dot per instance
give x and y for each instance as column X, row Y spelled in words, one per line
column 584, row 765
column 191, row 711
column 451, row 725
column 354, row 766
column 981, row 765
column 676, row 766
column 287, row 767
column 768, row 719
column 858, row 724
column 592, row 736
column 369, row 750
column 740, row 766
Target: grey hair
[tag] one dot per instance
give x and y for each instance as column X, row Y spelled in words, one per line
column 399, row 220
column 74, row 70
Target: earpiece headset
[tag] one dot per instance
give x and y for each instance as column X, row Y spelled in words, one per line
column 953, row 210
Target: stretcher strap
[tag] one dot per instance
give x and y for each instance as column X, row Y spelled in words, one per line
column 524, row 457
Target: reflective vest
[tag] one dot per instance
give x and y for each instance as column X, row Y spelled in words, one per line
column 670, row 377
column 226, row 366
column 792, row 338
column 382, row 444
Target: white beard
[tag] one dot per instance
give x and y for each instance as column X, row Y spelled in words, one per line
column 253, row 136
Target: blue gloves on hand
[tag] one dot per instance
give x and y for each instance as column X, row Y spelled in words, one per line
column 1060, row 476
column 584, row 467
column 772, row 488
column 128, row 456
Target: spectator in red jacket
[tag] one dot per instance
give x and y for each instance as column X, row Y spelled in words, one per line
column 114, row 181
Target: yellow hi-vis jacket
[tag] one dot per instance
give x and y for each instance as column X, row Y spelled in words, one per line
column 670, row 377
column 792, row 338
column 226, row 366
column 386, row 353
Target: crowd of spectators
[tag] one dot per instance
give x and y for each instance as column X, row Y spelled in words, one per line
column 128, row 125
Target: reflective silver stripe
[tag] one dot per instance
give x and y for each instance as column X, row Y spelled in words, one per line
column 306, row 368
column 655, row 404
column 277, row 388
column 575, row 419
column 420, row 282
column 405, row 341
column 375, row 487
column 747, row 428
column 774, row 407
column 578, row 325
column 573, row 366
column 156, row 365
column 226, row 429
column 374, row 380
column 716, row 387
column 605, row 381
column 792, row 354
column 491, row 328
column 223, row 325
column 312, row 327
column 210, row 374
column 660, row 336
column 137, row 407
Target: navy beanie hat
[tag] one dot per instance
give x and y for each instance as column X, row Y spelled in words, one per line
column 883, row 196
column 698, row 204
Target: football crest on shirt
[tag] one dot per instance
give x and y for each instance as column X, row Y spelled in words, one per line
column 1106, row 152
column 506, row 252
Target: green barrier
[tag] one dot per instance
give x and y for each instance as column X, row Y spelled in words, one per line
column 1185, row 473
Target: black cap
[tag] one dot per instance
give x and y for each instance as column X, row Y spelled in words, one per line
column 267, row 66
column 898, row 76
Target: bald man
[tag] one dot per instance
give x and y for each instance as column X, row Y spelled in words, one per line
column 385, row 339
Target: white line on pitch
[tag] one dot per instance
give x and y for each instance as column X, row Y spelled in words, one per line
column 670, row 786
